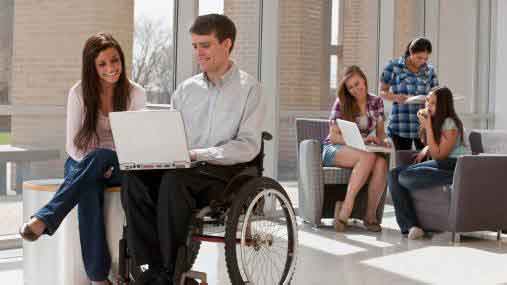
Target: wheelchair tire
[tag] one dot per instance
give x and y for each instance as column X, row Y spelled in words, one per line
column 254, row 248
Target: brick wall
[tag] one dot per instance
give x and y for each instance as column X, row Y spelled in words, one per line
column 303, row 60
column 360, row 38
column 48, row 41
column 245, row 14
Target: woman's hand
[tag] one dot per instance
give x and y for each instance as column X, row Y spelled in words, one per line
column 334, row 132
column 424, row 118
column 421, row 155
column 371, row 139
column 109, row 172
column 400, row 98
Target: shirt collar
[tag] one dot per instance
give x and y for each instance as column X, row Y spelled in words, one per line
column 226, row 77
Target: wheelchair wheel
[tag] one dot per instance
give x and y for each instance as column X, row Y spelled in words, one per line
column 261, row 234
column 186, row 256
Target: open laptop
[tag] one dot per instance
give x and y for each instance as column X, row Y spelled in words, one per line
column 353, row 138
column 150, row 139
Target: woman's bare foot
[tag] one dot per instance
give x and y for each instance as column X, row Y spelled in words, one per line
column 340, row 220
column 372, row 225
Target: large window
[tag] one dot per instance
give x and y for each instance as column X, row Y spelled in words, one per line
column 153, row 55
column 314, row 50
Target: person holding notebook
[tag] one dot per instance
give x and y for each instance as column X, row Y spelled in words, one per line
column 92, row 164
column 367, row 111
column 222, row 110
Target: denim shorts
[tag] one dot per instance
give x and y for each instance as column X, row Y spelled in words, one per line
column 329, row 153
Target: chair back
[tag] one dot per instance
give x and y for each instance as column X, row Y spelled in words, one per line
column 310, row 128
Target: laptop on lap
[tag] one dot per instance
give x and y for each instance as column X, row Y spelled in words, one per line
column 153, row 139
column 353, row 138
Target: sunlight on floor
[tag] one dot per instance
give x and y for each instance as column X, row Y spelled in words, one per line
column 446, row 265
column 327, row 245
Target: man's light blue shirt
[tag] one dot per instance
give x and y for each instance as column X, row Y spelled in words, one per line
column 223, row 122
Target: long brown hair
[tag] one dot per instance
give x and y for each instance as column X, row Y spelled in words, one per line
column 91, row 88
column 444, row 109
column 348, row 104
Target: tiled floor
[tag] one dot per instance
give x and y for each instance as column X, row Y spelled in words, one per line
column 360, row 257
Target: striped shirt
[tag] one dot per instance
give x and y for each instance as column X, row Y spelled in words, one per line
column 403, row 120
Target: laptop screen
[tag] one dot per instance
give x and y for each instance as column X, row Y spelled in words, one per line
column 154, row 137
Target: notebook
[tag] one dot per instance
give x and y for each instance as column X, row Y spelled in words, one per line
column 353, row 138
column 152, row 139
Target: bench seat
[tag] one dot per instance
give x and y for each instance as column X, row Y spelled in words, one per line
column 57, row 259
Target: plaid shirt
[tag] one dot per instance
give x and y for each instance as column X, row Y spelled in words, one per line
column 403, row 120
column 374, row 113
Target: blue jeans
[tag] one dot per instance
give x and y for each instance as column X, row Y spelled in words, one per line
column 416, row 177
column 84, row 185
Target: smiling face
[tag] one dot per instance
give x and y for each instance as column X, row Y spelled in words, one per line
column 108, row 66
column 212, row 56
column 356, row 86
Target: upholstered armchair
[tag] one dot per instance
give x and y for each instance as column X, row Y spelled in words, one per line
column 320, row 187
column 477, row 198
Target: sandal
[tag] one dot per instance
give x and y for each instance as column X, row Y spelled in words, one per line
column 27, row 234
column 339, row 224
column 372, row 227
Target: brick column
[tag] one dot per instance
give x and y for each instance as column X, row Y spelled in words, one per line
column 303, row 60
column 48, row 41
column 245, row 14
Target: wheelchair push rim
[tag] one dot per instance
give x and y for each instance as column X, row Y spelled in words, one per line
column 266, row 252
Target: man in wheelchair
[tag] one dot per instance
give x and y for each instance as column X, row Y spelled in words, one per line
column 222, row 110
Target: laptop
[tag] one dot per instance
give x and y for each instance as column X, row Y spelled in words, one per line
column 353, row 138
column 153, row 139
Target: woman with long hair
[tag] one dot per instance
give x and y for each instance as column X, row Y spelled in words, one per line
column 402, row 78
column 92, row 164
column 442, row 131
column 367, row 111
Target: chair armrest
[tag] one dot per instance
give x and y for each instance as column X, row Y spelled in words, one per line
column 310, row 180
column 404, row 157
column 478, row 197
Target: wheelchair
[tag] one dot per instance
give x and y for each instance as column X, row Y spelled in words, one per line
column 260, row 236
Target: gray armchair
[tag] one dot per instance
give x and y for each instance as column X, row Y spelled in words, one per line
column 320, row 187
column 477, row 199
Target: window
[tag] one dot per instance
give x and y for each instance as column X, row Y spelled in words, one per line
column 153, row 52
column 211, row 6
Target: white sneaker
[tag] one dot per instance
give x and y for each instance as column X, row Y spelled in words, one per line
column 415, row 233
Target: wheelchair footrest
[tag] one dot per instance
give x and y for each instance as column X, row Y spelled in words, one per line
column 194, row 275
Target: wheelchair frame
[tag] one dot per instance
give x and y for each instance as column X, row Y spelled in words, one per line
column 237, row 201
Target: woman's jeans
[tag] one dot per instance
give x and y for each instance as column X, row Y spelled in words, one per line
column 84, row 185
column 416, row 177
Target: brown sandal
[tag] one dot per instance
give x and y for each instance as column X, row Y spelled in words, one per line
column 339, row 224
column 372, row 227
column 27, row 234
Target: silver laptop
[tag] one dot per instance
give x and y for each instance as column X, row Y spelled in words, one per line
column 150, row 139
column 353, row 138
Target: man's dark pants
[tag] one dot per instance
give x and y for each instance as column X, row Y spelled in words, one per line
column 159, row 204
